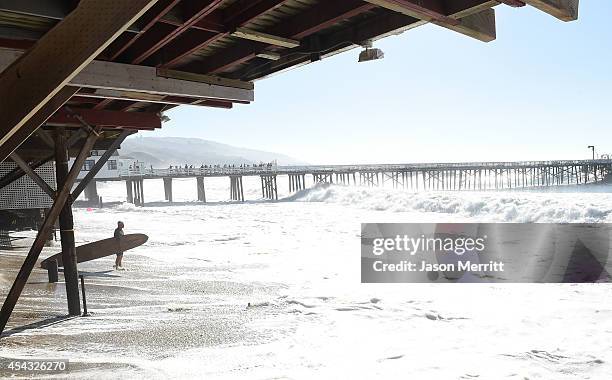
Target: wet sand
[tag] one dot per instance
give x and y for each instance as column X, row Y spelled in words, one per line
column 146, row 310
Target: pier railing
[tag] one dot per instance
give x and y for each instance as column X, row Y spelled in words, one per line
column 318, row 169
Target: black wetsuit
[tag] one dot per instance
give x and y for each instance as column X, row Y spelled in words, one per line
column 118, row 236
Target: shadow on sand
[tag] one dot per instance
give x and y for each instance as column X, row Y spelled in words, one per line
column 37, row 325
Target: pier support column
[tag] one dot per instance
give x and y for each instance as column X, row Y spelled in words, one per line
column 136, row 193
column 52, row 272
column 66, row 223
column 130, row 193
column 138, row 185
column 141, row 186
column 91, row 192
column 236, row 188
column 297, row 182
column 201, row 189
column 168, row 189
column 269, row 189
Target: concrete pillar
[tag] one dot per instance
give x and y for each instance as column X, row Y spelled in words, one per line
column 66, row 223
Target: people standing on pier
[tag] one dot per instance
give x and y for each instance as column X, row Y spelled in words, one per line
column 118, row 235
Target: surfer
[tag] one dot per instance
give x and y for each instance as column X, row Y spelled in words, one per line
column 118, row 236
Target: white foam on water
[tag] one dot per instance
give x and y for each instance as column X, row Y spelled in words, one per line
column 514, row 206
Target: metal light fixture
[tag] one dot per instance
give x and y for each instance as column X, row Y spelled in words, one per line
column 370, row 53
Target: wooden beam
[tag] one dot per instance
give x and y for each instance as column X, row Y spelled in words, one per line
column 298, row 27
column 480, row 26
column 254, row 35
column 198, row 12
column 428, row 10
column 566, row 10
column 513, row 3
column 24, row 91
column 149, row 19
column 124, row 77
column 52, row 10
column 100, row 163
column 33, row 175
column 236, row 15
column 209, row 79
column 145, row 80
column 55, row 10
column 102, row 118
column 150, row 98
column 43, row 233
column 38, row 119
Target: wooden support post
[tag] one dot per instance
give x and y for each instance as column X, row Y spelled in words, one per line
column 142, row 198
column 241, row 189
column 201, row 189
column 136, row 192
column 66, row 223
column 263, row 189
column 130, row 193
column 52, row 271
column 168, row 189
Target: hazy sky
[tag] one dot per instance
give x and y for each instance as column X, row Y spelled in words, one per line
column 542, row 90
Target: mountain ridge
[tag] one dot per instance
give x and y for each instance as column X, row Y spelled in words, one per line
column 165, row 151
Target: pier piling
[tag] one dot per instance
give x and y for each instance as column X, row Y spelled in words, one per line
column 201, row 189
column 168, row 189
column 66, row 223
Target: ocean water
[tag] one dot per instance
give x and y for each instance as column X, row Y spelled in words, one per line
column 268, row 290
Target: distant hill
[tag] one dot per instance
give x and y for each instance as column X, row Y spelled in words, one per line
column 164, row 151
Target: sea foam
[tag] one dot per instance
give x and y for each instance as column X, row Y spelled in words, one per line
column 495, row 206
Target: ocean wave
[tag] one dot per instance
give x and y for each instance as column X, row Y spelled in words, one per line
column 514, row 206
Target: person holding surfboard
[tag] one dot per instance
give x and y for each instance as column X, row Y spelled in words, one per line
column 118, row 235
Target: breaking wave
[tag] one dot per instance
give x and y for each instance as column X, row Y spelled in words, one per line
column 509, row 206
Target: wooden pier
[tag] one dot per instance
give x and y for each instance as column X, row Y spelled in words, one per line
column 471, row 176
